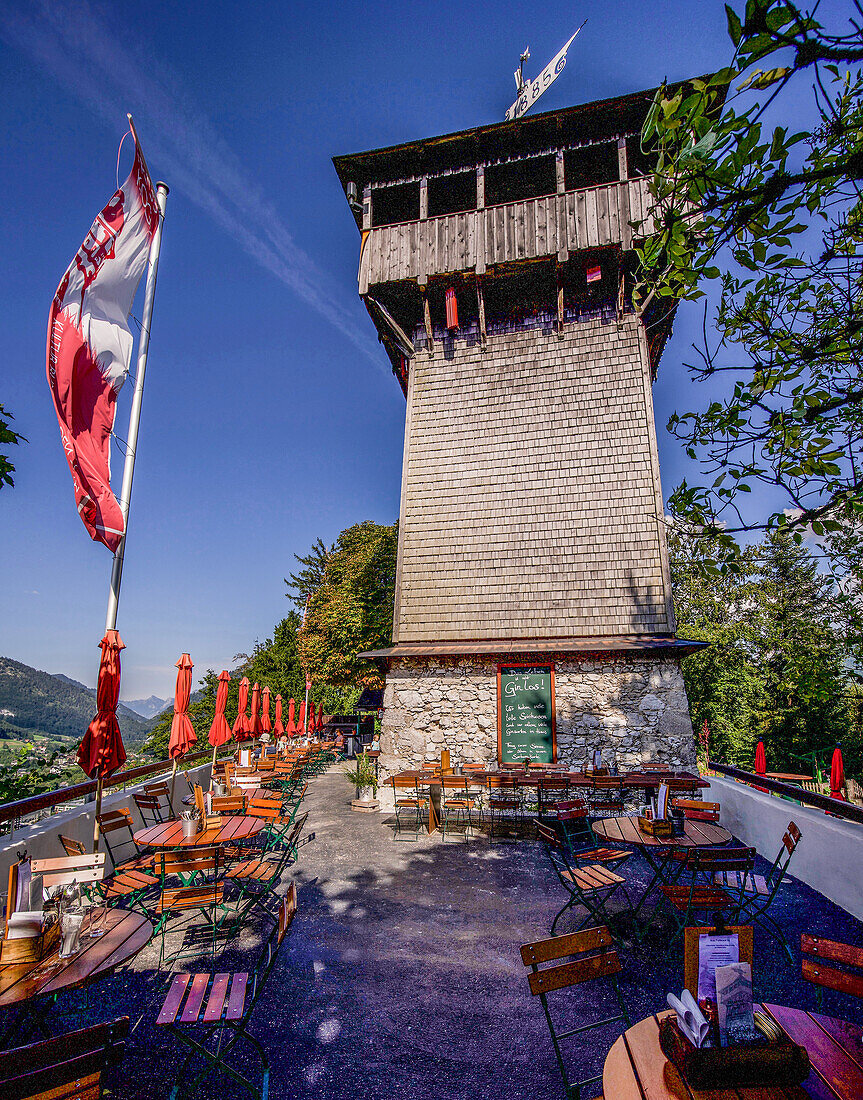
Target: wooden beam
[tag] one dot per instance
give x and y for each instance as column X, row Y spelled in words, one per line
column 560, row 210
column 480, row 301
column 424, row 198
column 623, row 168
column 367, row 208
column 480, row 221
column 559, row 303
column 429, row 331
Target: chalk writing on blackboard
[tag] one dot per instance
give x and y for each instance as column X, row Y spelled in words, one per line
column 526, row 712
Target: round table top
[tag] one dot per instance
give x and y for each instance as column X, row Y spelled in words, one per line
column 125, row 934
column 636, row 1066
column 169, row 834
column 625, row 830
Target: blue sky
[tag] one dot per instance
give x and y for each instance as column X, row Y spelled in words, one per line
column 270, row 414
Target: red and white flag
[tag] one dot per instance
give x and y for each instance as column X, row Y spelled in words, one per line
column 90, row 344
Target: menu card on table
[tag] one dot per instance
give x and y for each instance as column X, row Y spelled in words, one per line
column 734, row 1004
column 713, row 952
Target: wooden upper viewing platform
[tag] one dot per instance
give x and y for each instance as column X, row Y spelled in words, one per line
column 539, row 187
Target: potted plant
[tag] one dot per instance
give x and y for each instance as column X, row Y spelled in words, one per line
column 363, row 777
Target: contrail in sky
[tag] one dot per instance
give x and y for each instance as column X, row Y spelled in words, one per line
column 78, row 45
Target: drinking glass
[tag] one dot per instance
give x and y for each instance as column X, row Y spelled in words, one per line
column 70, row 931
column 96, row 918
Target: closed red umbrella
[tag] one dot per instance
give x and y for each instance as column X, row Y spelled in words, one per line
column 241, row 723
column 760, row 759
column 101, row 751
column 291, row 728
column 183, row 734
column 254, row 711
column 301, row 721
column 278, row 725
column 320, row 719
column 220, row 731
column 265, row 711
column 837, row 775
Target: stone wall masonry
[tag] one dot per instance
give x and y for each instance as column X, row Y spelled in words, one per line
column 632, row 707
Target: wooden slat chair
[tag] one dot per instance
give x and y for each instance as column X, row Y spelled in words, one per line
column 128, row 888
column 162, row 791
column 551, row 789
column 505, row 806
column 606, row 796
column 64, row 1067
column 589, row 885
column 758, row 893
column 590, row 956
column 115, row 827
column 411, row 804
column 230, row 804
column 149, row 807
column 456, row 805
column 702, row 893
column 573, row 825
column 258, row 877
column 694, row 810
column 217, row 1011
column 829, row 964
column 198, row 904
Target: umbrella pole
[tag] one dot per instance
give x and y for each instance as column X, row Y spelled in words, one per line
column 96, row 815
column 173, row 782
column 213, row 765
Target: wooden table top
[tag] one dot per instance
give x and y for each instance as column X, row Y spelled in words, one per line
column 125, row 934
column 790, row 777
column 636, row 1067
column 625, row 830
column 169, row 834
column 640, row 780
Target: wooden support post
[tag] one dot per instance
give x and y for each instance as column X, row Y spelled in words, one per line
column 424, row 198
column 480, row 301
column 427, row 316
column 622, row 166
column 480, row 222
column 367, row 207
column 559, row 303
column 562, row 245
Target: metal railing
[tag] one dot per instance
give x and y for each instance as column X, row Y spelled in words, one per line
column 846, row 810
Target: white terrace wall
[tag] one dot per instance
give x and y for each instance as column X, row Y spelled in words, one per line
column 631, row 706
column 829, row 857
column 42, row 840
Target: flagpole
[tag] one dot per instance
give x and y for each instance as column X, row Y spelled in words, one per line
column 135, row 414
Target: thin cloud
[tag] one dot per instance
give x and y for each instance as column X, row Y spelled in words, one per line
column 68, row 41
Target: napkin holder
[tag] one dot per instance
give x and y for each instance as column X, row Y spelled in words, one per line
column 658, row 828
column 28, row 936
column 780, row 1062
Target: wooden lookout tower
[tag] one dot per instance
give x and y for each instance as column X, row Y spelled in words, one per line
column 533, row 611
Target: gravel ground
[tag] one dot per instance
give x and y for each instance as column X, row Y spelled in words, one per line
column 401, row 975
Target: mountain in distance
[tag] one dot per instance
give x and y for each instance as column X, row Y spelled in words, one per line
column 37, row 704
column 147, row 708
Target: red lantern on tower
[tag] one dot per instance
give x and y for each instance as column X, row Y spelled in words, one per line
column 451, row 310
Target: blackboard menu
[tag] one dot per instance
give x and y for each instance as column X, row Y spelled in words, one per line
column 525, row 708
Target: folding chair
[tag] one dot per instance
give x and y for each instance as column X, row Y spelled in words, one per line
column 573, row 826
column 694, row 810
column 606, row 796
column 589, row 885
column 112, row 825
column 829, row 964
column 456, row 805
column 149, row 807
column 703, row 894
column 757, row 892
column 504, row 803
column 201, row 894
column 220, row 1005
column 551, row 790
column 123, row 887
column 64, row 1067
column 413, row 805
column 591, row 956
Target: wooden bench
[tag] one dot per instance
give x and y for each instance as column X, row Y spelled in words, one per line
column 832, row 965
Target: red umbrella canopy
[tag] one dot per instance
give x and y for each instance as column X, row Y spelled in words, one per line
column 265, row 713
column 101, row 751
column 301, row 721
column 183, row 735
column 291, row 727
column 220, row 731
column 837, row 775
column 760, row 759
column 319, row 723
column 255, row 708
column 278, row 726
column 241, row 724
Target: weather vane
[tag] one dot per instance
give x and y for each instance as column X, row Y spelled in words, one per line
column 529, row 92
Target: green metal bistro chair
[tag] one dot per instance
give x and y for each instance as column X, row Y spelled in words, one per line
column 217, row 1012
column 505, row 807
column 456, row 805
column 829, row 964
column 197, row 907
column 701, row 894
column 411, row 805
column 589, row 885
column 573, row 827
column 590, row 957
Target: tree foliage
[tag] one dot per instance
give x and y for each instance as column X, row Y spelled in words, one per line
column 777, row 218
column 7, row 438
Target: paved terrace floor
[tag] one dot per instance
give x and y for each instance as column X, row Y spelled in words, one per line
column 402, row 978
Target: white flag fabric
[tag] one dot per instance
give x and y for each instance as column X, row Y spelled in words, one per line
column 90, row 344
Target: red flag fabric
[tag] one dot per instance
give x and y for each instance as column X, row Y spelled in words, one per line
column 837, row 775
column 291, row 728
column 760, row 759
column 101, row 750
column 254, row 711
column 278, row 725
column 90, row 344
column 301, row 721
column 220, row 731
column 183, row 735
column 240, row 728
column 265, row 711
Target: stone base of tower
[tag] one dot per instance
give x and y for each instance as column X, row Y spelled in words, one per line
column 630, row 706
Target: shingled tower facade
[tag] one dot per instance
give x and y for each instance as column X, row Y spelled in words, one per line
column 533, row 613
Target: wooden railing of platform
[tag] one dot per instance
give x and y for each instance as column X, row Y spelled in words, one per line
column 848, row 811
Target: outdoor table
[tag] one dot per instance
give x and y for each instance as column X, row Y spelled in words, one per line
column 169, row 834
column 658, row 851
column 636, row 1067
column 789, row 777
column 125, row 934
